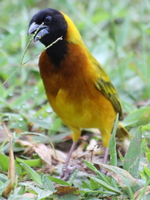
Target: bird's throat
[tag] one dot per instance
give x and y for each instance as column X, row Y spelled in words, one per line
column 57, row 52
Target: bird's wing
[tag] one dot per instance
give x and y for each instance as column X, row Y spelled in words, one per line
column 104, row 84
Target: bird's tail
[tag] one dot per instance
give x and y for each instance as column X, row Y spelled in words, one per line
column 122, row 132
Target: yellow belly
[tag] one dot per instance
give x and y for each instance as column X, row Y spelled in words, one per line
column 71, row 91
column 85, row 113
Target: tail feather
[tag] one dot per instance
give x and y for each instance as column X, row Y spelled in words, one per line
column 122, row 132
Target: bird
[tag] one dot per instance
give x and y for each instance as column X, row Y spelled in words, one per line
column 77, row 86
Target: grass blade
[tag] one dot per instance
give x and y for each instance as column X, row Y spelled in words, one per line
column 34, row 175
column 132, row 157
column 112, row 145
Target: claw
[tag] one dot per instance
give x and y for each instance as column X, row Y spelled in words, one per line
column 66, row 171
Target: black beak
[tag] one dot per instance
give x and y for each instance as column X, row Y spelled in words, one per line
column 39, row 30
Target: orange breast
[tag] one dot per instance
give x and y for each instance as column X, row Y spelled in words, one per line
column 72, row 93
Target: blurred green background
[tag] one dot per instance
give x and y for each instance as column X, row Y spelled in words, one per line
column 116, row 32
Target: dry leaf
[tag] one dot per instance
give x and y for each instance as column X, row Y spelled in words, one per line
column 3, row 136
column 11, row 168
column 44, row 153
column 58, row 155
column 29, row 195
column 138, row 193
column 29, row 150
column 25, row 143
column 63, row 190
column 92, row 145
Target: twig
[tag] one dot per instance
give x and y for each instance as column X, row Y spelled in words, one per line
column 60, row 38
column 25, row 51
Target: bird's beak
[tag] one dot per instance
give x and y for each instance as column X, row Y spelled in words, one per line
column 39, row 30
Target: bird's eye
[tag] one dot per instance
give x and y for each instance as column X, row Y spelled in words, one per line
column 47, row 19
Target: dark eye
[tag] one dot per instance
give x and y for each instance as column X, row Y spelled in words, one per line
column 47, row 19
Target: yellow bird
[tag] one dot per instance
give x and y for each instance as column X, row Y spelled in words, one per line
column 77, row 86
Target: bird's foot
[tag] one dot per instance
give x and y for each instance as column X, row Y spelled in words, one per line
column 66, row 171
column 103, row 171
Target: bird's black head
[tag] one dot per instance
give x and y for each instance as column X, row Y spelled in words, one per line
column 48, row 24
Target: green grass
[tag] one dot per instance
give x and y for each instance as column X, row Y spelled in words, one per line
column 117, row 33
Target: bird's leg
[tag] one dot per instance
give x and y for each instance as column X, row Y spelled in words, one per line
column 66, row 170
column 106, row 153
